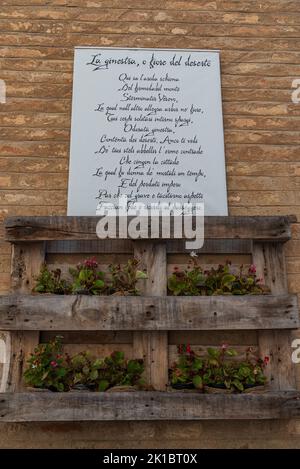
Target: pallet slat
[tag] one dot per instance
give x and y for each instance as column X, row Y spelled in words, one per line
column 71, row 313
column 74, row 406
column 274, row 228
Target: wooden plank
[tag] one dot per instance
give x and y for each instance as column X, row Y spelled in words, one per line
column 90, row 337
column 214, row 337
column 270, row 263
column 74, row 313
column 153, row 346
column 27, row 259
column 75, row 406
column 61, row 227
column 215, row 246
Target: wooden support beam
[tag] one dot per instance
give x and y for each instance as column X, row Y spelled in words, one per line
column 20, row 229
column 94, row 406
column 27, row 259
column 152, row 346
column 270, row 263
column 147, row 313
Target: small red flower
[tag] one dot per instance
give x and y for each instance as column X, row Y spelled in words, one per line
column 266, row 360
column 91, row 263
column 54, row 364
column 175, row 268
column 252, row 269
column 188, row 348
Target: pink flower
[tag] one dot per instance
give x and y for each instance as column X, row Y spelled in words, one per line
column 54, row 364
column 91, row 263
column 266, row 360
column 224, row 346
column 252, row 269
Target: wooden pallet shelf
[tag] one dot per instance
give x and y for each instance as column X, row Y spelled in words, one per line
column 143, row 313
column 274, row 228
column 81, row 406
column 148, row 317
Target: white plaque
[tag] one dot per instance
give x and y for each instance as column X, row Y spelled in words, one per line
column 146, row 123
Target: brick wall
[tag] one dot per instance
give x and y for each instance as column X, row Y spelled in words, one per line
column 260, row 52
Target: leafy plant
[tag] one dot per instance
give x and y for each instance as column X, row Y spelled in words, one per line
column 101, row 374
column 117, row 371
column 87, row 278
column 84, row 369
column 218, row 369
column 51, row 282
column 189, row 368
column 124, row 278
column 219, row 281
column 47, row 368
column 235, row 376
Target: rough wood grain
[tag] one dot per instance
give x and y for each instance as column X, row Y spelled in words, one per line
column 64, row 228
column 26, row 262
column 153, row 346
column 54, row 407
column 270, row 263
column 216, row 246
column 71, row 313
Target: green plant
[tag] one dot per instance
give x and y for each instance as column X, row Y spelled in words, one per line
column 51, row 282
column 102, row 374
column 124, row 278
column 188, row 369
column 218, row 369
column 47, row 368
column 233, row 375
column 117, row 371
column 84, row 369
column 219, row 281
column 87, row 278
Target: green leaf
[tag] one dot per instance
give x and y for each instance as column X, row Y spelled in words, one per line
column 212, row 352
column 93, row 375
column 228, row 279
column 141, row 275
column 238, row 385
column 83, row 275
column 134, row 367
column 103, row 385
column 60, row 387
column 231, row 352
column 99, row 284
column 198, row 382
